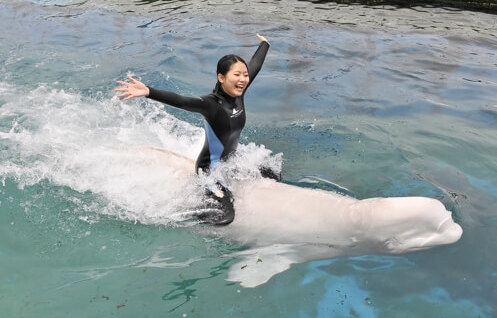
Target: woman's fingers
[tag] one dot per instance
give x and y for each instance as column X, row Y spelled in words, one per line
column 261, row 38
column 126, row 96
column 123, row 91
column 132, row 79
column 130, row 90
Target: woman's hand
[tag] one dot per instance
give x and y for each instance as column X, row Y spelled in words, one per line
column 131, row 90
column 261, row 38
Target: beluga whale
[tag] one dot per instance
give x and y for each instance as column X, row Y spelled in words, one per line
column 283, row 224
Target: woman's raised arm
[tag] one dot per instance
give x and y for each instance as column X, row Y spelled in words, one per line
column 255, row 64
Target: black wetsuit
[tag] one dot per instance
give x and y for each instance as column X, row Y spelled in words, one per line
column 224, row 116
column 224, row 119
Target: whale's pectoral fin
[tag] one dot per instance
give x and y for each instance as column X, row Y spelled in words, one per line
column 258, row 265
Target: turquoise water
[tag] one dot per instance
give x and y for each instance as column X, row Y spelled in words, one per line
column 382, row 101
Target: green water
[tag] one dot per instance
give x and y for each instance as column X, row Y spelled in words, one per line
column 382, row 101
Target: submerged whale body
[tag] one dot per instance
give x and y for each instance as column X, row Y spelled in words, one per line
column 284, row 224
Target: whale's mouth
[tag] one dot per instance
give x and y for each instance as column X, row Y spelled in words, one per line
column 450, row 231
column 447, row 232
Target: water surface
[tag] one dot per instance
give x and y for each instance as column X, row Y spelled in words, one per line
column 382, row 101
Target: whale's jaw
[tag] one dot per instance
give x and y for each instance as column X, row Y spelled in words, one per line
column 448, row 232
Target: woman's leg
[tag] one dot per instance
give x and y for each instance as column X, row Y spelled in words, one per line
column 222, row 210
column 267, row 172
column 224, row 202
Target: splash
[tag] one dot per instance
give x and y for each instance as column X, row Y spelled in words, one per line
column 99, row 145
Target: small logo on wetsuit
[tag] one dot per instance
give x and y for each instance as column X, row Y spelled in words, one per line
column 236, row 112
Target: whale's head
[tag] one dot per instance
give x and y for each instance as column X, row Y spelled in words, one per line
column 416, row 239
column 424, row 224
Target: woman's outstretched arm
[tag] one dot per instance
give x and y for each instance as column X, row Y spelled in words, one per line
column 135, row 88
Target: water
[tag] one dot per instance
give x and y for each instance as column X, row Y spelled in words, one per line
column 381, row 101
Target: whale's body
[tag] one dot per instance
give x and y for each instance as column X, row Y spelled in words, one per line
column 284, row 224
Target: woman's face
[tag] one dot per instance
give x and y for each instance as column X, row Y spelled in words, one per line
column 236, row 80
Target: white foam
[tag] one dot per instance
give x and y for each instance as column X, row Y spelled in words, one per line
column 95, row 145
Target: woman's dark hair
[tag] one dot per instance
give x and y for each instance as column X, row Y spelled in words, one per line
column 224, row 65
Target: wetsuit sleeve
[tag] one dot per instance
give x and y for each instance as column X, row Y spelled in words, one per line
column 193, row 104
column 257, row 60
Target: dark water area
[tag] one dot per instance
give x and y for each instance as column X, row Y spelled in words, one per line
column 488, row 6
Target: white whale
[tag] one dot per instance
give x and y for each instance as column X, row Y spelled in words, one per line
column 283, row 224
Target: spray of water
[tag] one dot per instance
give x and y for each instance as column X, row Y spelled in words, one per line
column 101, row 146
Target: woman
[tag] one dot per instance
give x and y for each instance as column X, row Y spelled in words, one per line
column 224, row 118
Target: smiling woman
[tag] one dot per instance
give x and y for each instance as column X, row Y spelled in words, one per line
column 224, row 119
